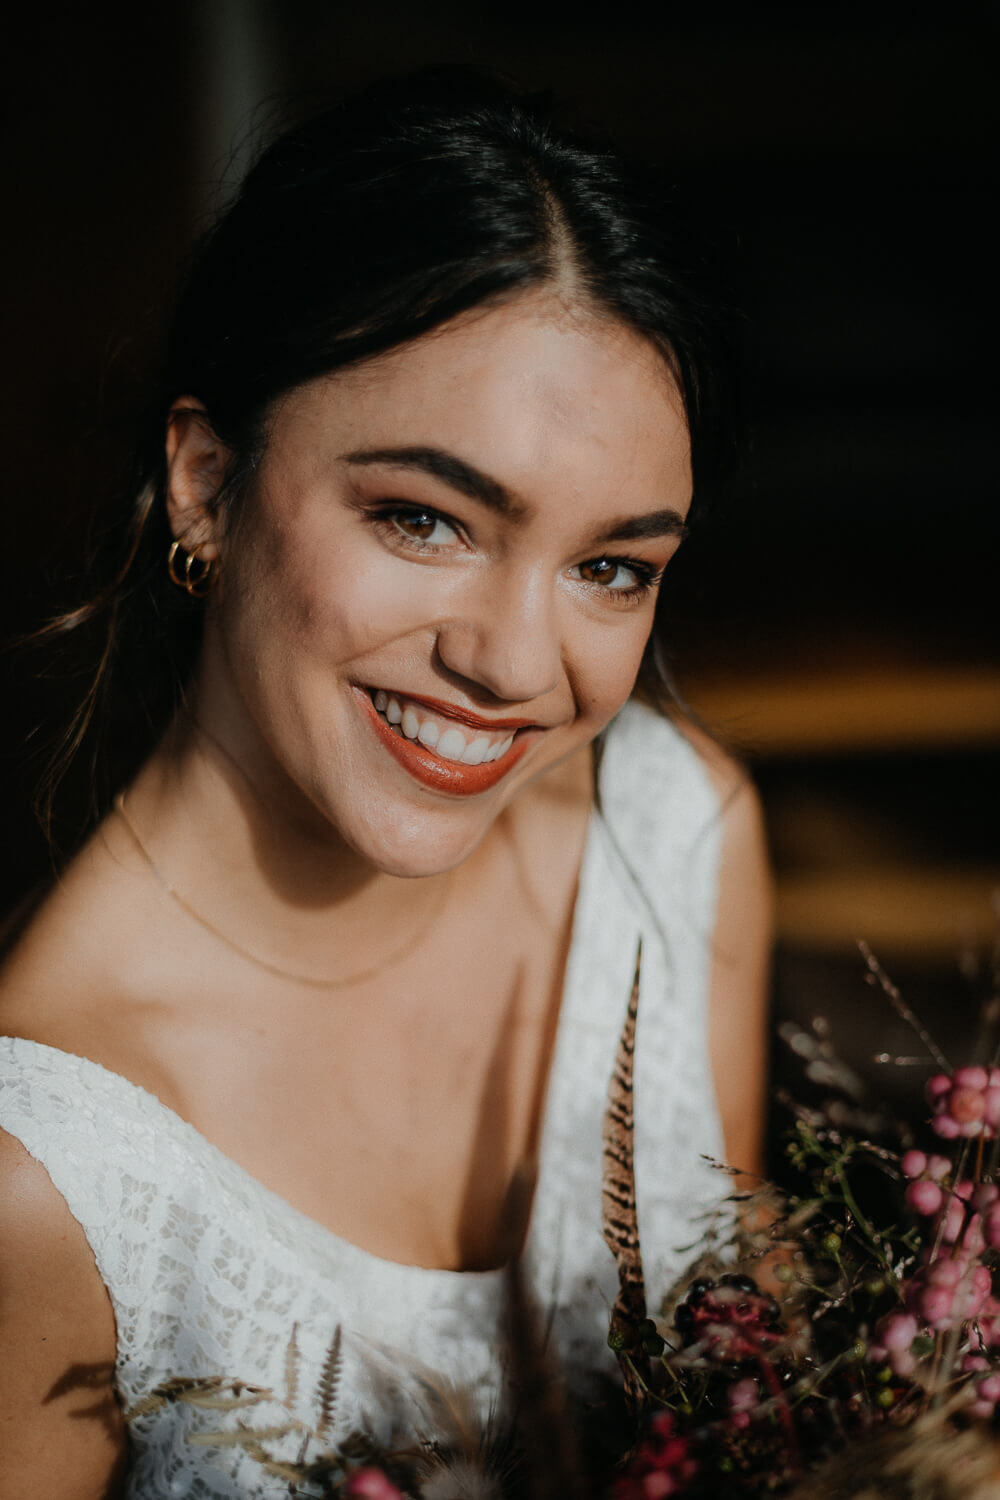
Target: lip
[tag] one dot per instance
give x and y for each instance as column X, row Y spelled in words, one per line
column 461, row 715
column 451, row 777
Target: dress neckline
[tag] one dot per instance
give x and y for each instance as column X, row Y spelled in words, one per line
column 320, row 1237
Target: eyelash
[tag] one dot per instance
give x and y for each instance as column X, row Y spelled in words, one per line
column 386, row 520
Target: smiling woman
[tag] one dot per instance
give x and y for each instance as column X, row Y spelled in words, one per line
column 345, row 961
column 464, row 486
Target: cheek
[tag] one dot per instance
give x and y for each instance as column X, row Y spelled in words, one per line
column 331, row 602
column 605, row 672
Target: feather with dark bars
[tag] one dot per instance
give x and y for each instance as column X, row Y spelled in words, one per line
column 619, row 1217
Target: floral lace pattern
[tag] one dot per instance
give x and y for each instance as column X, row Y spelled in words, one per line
column 208, row 1270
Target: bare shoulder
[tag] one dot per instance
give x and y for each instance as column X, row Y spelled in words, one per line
column 745, row 871
column 741, row 952
column 729, row 778
column 65, row 980
column 63, row 1428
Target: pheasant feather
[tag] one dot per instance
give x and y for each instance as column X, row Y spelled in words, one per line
column 619, row 1216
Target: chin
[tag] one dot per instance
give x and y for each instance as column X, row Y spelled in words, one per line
column 415, row 846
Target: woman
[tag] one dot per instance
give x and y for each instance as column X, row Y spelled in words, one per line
column 351, row 953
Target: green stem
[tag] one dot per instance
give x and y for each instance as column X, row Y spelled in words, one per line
column 639, row 1380
column 851, row 1203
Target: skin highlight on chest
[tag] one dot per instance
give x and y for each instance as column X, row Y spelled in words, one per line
column 424, row 1087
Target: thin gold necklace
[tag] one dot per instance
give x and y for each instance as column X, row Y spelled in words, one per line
column 394, row 956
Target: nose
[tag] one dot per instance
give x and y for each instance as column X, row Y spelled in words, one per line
column 504, row 638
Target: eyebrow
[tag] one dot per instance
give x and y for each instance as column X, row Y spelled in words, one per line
column 655, row 523
column 476, row 485
column 454, row 471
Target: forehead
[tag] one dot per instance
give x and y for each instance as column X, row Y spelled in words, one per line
column 537, row 392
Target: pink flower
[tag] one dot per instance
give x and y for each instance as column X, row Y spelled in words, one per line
column 985, row 1392
column 663, row 1464
column 730, row 1320
column 744, row 1395
column 893, row 1336
column 936, row 1304
column 945, row 1292
column 988, row 1322
column 896, row 1331
column 371, row 1484
column 984, row 1195
column 991, row 1227
column 965, row 1104
column 924, row 1196
column 970, row 1077
column 913, row 1163
column 954, row 1214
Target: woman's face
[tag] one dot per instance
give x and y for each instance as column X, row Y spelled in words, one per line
column 443, row 575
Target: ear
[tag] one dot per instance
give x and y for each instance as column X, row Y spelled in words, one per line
column 196, row 468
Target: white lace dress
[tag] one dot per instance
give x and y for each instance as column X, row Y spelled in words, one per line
column 208, row 1270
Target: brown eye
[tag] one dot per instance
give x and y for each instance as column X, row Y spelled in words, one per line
column 599, row 570
column 418, row 524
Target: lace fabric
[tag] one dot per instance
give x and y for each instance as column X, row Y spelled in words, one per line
column 208, row 1270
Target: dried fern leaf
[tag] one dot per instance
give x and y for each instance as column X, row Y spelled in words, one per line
column 225, row 1400
column 292, row 1368
column 155, row 1401
column 272, row 1465
column 326, row 1389
column 242, row 1437
column 193, row 1391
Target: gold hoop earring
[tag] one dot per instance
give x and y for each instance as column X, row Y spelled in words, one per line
column 199, row 577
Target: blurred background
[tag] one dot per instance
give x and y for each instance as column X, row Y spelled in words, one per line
column 837, row 623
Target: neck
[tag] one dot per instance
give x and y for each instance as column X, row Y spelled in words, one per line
column 272, row 827
column 259, row 864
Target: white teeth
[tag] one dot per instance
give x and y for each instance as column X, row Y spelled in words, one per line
column 451, row 745
column 500, row 749
column 475, row 754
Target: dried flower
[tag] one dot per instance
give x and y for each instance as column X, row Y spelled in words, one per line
column 965, row 1103
column 664, row 1464
column 730, row 1320
column 371, row 1484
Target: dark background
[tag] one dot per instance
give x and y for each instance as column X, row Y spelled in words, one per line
column 838, row 623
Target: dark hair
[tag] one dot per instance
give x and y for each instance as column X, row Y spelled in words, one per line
column 356, row 231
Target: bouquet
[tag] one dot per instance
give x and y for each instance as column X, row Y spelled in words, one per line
column 841, row 1342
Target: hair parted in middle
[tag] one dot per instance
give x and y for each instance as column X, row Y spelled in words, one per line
column 363, row 228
